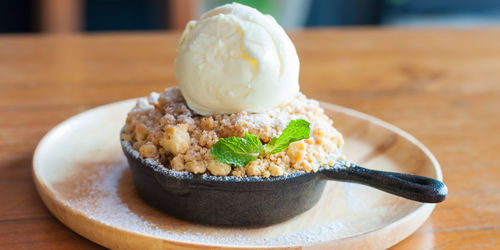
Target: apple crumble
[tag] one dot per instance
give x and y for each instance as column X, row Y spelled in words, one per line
column 163, row 128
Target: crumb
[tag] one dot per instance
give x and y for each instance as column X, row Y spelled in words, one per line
column 163, row 128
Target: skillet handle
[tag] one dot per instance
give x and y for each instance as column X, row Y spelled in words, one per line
column 413, row 187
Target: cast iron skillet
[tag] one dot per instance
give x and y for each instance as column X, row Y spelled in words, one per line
column 238, row 201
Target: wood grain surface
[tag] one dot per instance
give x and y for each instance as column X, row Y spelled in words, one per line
column 442, row 86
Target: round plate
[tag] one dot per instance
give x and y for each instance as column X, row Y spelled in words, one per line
column 83, row 178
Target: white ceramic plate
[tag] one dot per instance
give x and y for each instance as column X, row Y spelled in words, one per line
column 83, row 178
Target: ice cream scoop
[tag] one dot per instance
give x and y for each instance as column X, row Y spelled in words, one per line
column 234, row 59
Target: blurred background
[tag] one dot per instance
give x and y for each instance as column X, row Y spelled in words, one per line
column 65, row 16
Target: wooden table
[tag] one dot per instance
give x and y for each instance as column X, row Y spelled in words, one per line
column 442, row 86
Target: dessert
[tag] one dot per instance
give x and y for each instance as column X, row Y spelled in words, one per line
column 237, row 72
column 237, row 143
column 163, row 128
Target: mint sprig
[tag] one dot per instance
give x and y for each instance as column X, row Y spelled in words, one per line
column 237, row 151
column 240, row 151
column 296, row 130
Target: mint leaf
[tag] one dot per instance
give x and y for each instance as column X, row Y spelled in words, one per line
column 237, row 151
column 296, row 130
column 240, row 151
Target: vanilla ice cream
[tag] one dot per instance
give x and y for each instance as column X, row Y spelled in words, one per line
column 235, row 59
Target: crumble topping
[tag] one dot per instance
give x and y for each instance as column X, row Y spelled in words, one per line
column 163, row 128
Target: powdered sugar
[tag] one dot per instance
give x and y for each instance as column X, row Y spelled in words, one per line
column 176, row 137
column 105, row 193
column 281, row 116
column 142, row 105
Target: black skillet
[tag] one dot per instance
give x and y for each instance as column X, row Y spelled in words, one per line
column 245, row 201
